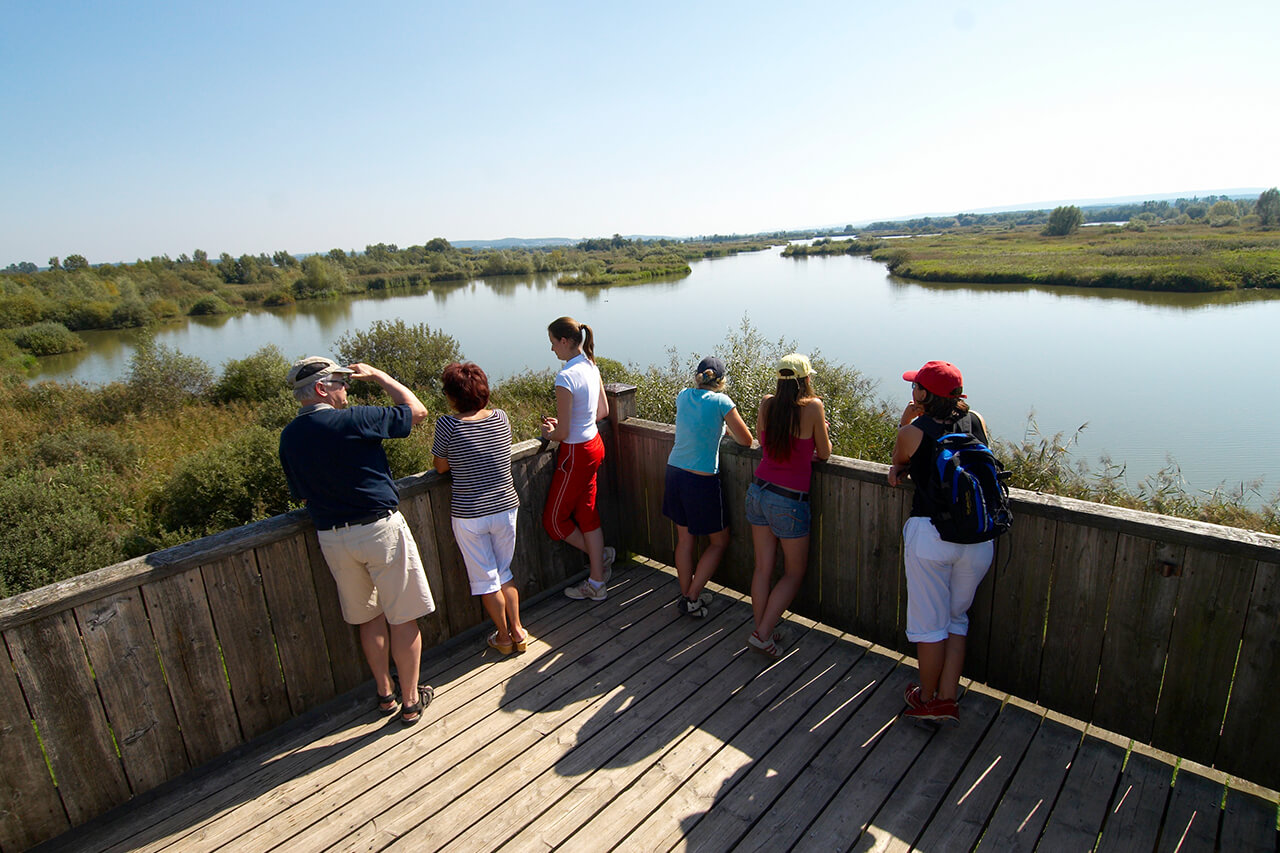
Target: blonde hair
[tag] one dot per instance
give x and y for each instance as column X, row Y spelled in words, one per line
column 708, row 380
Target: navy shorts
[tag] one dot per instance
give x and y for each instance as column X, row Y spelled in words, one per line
column 788, row 518
column 694, row 501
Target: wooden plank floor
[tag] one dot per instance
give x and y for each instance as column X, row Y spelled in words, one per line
column 627, row 726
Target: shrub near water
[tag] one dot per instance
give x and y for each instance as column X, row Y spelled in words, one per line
column 47, row 338
column 231, row 483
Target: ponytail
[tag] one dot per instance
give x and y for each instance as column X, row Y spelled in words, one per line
column 579, row 333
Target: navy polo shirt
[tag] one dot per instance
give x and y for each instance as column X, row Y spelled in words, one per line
column 333, row 459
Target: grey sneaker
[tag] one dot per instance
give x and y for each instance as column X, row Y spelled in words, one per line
column 586, row 591
column 696, row 608
column 610, row 554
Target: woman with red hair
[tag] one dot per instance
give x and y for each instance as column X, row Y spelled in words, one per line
column 474, row 444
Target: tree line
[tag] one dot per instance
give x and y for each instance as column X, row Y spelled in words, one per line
column 41, row 310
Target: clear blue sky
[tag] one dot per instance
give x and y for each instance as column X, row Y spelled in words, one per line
column 133, row 129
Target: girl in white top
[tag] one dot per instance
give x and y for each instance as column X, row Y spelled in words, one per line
column 570, row 514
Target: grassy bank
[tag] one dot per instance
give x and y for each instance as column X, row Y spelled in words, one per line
column 1184, row 258
column 179, row 449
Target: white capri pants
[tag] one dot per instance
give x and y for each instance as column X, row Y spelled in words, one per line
column 942, row 578
column 487, row 544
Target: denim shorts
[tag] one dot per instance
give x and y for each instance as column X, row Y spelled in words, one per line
column 786, row 517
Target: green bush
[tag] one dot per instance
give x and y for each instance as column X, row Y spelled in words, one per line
column 131, row 313
column 412, row 455
column 526, row 397
column 163, row 309
column 231, row 483
column 277, row 298
column 209, row 305
column 277, row 411
column 414, row 355
column 47, row 338
column 96, row 449
column 58, row 524
column 257, row 378
column 161, row 377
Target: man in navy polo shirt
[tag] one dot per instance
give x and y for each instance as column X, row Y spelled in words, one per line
column 333, row 459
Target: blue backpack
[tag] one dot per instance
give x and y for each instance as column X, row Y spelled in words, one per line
column 967, row 485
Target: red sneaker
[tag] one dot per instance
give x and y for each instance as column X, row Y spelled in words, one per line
column 913, row 698
column 935, row 710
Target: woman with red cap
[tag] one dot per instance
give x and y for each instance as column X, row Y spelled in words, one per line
column 942, row 576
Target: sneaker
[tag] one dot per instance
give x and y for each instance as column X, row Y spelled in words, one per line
column 586, row 591
column 695, row 607
column 768, row 648
column 610, row 554
column 913, row 698
column 936, row 710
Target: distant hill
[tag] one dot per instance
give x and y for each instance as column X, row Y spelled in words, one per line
column 515, row 243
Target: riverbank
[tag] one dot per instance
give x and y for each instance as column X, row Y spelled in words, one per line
column 177, row 450
column 1173, row 258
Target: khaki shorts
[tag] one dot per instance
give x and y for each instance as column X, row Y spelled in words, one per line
column 378, row 571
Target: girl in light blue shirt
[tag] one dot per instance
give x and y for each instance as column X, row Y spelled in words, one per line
column 692, row 497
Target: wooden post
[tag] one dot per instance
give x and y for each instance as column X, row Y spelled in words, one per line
column 617, row 520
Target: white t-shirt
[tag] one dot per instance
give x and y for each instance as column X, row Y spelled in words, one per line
column 582, row 379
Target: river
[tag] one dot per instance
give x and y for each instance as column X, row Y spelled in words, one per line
column 1155, row 376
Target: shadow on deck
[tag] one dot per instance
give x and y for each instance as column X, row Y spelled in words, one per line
column 627, row 726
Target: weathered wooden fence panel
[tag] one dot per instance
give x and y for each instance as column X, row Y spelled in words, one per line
column 50, row 662
column 126, row 667
column 183, row 628
column 133, row 674
column 1130, row 620
column 30, row 809
column 1135, row 647
column 239, row 609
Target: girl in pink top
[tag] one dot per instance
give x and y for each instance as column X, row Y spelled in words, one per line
column 792, row 426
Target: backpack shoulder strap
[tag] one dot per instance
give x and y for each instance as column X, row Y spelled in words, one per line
column 977, row 427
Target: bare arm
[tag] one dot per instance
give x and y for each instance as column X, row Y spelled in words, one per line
column 764, row 406
column 557, row 428
column 821, row 432
column 441, row 464
column 399, row 394
column 904, row 447
column 738, row 427
column 602, row 405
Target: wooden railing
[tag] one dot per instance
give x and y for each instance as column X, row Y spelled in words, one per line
column 1157, row 628
column 1160, row 629
column 126, row 677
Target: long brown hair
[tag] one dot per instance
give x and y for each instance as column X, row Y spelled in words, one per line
column 579, row 333
column 947, row 410
column 782, row 414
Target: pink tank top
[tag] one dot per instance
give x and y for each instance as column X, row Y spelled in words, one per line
column 796, row 472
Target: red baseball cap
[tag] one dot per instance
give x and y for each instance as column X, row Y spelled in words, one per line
column 938, row 377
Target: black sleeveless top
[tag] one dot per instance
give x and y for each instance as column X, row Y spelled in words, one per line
column 922, row 460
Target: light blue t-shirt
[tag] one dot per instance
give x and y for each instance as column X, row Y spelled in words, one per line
column 699, row 427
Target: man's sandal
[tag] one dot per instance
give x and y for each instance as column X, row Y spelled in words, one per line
column 388, row 704
column 425, row 694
